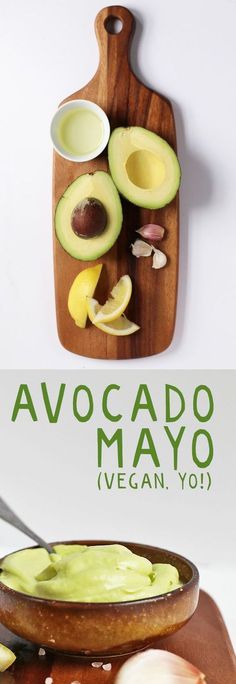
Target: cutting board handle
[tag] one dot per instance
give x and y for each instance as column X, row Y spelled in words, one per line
column 114, row 27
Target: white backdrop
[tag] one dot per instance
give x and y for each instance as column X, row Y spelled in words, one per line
column 187, row 51
column 49, row 471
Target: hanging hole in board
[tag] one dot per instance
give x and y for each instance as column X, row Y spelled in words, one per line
column 113, row 24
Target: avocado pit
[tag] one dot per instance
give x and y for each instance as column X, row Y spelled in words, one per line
column 89, row 218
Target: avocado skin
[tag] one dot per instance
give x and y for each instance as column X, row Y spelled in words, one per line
column 98, row 185
column 121, row 145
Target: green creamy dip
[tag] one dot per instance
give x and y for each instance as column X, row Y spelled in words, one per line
column 87, row 573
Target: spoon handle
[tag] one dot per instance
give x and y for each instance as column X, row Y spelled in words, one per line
column 10, row 517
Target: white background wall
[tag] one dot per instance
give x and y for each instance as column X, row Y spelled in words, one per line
column 49, row 471
column 186, row 50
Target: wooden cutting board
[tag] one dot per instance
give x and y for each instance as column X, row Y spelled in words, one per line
column 127, row 102
column 204, row 641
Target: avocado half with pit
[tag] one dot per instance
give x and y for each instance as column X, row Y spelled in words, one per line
column 143, row 166
column 97, row 186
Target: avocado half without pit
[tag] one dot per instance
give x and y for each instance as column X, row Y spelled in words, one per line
column 144, row 167
column 88, row 217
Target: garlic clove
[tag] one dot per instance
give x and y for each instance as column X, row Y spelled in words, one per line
column 151, row 231
column 141, row 249
column 159, row 259
column 156, row 665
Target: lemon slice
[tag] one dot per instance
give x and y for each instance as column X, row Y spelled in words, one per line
column 83, row 286
column 117, row 302
column 120, row 327
column 7, row 657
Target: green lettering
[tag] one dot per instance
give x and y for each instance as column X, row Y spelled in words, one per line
column 208, row 460
column 199, row 416
column 52, row 417
column 115, row 439
column 147, row 405
column 150, row 449
column 105, row 409
column 87, row 416
column 132, row 481
column 109, row 482
column 28, row 405
column 146, row 481
column 169, row 417
column 121, row 481
column 159, row 480
column 175, row 442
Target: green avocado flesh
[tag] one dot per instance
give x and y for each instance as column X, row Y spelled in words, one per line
column 93, row 574
column 100, row 186
column 143, row 166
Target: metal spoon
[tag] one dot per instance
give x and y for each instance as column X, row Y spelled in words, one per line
column 9, row 516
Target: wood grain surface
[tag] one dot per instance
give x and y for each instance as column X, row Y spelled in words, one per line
column 204, row 641
column 127, row 102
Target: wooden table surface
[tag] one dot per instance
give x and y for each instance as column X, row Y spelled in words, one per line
column 204, row 641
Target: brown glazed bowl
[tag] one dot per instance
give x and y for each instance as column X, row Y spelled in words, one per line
column 103, row 629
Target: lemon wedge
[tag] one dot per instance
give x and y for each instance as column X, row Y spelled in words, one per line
column 120, row 327
column 7, row 657
column 83, row 286
column 117, row 302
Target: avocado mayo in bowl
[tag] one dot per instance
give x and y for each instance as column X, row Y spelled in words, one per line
column 92, row 598
column 94, row 574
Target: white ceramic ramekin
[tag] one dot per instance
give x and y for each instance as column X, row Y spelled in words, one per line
column 83, row 104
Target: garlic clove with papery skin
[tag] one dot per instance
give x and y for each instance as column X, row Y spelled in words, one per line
column 151, row 231
column 159, row 259
column 141, row 249
column 155, row 665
